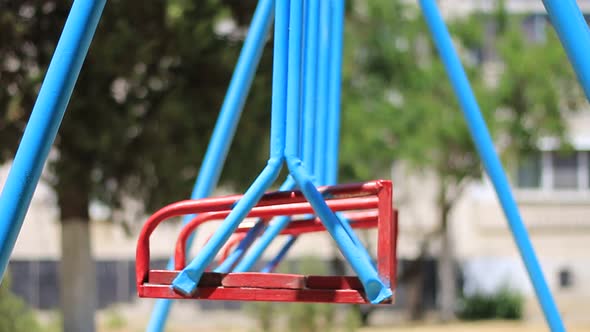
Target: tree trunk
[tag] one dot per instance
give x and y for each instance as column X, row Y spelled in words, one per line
column 77, row 268
column 415, row 290
column 77, row 277
column 447, row 278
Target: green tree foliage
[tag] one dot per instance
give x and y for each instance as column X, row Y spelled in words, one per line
column 142, row 110
column 15, row 315
column 399, row 106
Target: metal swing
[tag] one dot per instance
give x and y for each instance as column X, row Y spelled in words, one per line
column 289, row 142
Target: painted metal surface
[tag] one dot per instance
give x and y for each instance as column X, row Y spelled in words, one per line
column 334, row 90
column 485, row 147
column 322, row 93
column 45, row 120
column 574, row 34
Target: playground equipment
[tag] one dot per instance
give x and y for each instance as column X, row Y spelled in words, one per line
column 308, row 86
column 276, row 287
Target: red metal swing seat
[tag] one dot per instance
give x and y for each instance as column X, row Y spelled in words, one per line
column 366, row 205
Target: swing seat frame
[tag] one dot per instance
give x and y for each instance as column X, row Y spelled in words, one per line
column 365, row 205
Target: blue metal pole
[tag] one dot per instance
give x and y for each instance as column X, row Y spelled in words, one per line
column 376, row 291
column 322, row 92
column 493, row 166
column 225, row 128
column 45, row 120
column 334, row 91
column 575, row 36
column 186, row 281
column 310, row 82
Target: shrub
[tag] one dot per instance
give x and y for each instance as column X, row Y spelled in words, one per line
column 15, row 315
column 505, row 304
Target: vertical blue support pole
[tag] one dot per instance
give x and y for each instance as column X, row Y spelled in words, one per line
column 45, row 119
column 322, row 92
column 493, row 166
column 310, row 82
column 225, row 128
column 575, row 36
column 334, row 91
column 186, row 281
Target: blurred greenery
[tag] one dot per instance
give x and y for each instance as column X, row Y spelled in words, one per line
column 505, row 304
column 15, row 315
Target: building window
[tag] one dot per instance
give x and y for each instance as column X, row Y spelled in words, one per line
column 565, row 170
column 529, row 172
column 565, row 278
column 534, row 27
column 552, row 170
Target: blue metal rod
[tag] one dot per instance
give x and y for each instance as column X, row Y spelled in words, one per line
column 376, row 291
column 225, row 128
column 322, row 92
column 310, row 82
column 334, row 90
column 575, row 36
column 45, row 120
column 493, row 166
column 186, row 281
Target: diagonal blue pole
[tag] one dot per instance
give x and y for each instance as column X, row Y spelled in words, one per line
column 573, row 31
column 45, row 120
column 224, row 128
column 485, row 147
